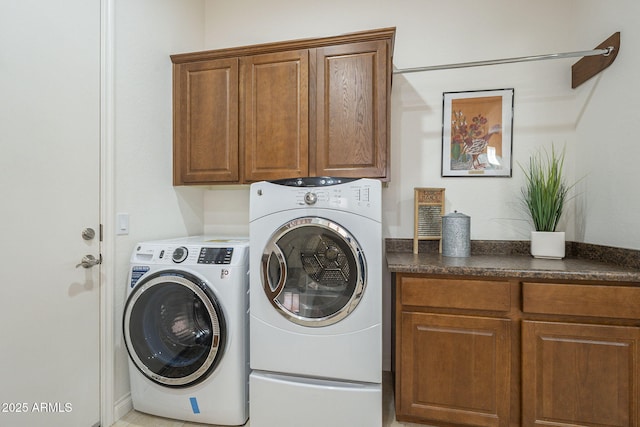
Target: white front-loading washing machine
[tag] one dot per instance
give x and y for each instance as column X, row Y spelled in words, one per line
column 316, row 302
column 185, row 327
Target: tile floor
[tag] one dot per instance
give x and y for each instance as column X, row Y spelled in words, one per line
column 137, row 419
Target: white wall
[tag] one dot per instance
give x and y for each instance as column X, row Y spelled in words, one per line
column 147, row 32
column 607, row 113
column 547, row 110
column 595, row 121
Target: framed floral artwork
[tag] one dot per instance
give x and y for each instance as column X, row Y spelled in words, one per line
column 477, row 133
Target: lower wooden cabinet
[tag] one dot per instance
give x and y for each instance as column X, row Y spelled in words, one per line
column 453, row 354
column 455, row 369
column 478, row 352
column 579, row 374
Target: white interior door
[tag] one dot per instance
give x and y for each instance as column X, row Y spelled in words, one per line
column 49, row 192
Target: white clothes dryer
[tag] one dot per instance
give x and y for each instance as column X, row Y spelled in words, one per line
column 316, row 302
column 185, row 327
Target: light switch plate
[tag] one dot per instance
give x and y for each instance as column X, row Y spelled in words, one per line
column 122, row 224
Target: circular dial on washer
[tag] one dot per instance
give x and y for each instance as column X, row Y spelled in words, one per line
column 179, row 254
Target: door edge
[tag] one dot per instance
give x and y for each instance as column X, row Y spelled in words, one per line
column 107, row 214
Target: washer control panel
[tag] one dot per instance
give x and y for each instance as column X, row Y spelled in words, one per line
column 184, row 254
column 206, row 255
column 215, row 256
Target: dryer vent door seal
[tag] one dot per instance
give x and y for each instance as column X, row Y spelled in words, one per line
column 313, row 272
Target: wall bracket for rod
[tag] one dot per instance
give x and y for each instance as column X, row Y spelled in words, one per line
column 589, row 66
column 593, row 61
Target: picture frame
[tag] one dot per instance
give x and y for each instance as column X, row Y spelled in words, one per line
column 477, row 133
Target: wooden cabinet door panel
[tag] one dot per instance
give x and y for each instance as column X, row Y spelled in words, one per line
column 576, row 374
column 206, row 125
column 351, row 105
column 275, row 115
column 455, row 369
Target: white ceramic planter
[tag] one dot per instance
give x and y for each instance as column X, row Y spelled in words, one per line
column 547, row 244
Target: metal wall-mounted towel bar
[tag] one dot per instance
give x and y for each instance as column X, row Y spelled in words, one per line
column 592, row 62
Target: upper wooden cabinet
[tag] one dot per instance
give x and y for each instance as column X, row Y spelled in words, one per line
column 205, row 126
column 275, row 115
column 309, row 107
column 352, row 110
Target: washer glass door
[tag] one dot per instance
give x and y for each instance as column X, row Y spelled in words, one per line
column 313, row 271
column 174, row 328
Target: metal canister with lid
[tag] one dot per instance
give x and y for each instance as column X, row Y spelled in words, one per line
column 456, row 235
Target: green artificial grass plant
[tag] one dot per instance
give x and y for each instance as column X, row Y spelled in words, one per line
column 545, row 191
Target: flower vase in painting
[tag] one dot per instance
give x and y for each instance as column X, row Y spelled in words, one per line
column 470, row 148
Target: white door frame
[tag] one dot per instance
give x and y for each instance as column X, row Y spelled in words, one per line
column 107, row 213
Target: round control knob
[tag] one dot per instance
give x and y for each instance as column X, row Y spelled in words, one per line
column 310, row 198
column 179, row 254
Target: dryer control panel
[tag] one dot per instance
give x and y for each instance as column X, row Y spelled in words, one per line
column 358, row 196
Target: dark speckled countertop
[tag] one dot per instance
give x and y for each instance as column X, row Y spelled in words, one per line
column 511, row 259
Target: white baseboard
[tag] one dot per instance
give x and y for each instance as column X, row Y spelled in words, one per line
column 123, row 406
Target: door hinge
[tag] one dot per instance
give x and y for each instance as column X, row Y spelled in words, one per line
column 101, row 232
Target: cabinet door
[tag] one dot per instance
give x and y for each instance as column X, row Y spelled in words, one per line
column 574, row 374
column 352, row 110
column 454, row 369
column 206, row 122
column 275, row 117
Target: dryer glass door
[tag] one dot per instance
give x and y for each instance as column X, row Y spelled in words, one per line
column 174, row 329
column 313, row 271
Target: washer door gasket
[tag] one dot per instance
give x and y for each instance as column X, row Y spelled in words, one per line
column 174, row 328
